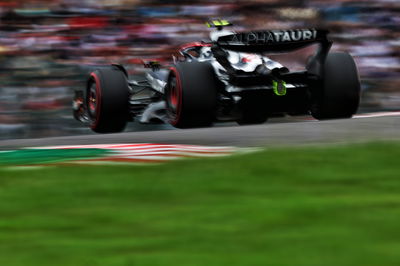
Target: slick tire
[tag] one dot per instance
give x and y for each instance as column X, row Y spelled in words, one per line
column 338, row 95
column 107, row 100
column 191, row 95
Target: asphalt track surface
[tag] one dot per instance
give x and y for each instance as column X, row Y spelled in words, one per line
column 278, row 132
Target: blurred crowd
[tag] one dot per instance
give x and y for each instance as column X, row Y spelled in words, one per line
column 47, row 47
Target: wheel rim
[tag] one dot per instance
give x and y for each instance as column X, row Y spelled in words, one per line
column 92, row 100
column 173, row 98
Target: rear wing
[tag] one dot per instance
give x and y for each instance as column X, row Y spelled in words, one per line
column 272, row 41
column 280, row 41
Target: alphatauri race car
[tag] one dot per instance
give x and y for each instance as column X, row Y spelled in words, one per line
column 229, row 78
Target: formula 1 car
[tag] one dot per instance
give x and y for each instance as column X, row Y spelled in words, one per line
column 229, row 78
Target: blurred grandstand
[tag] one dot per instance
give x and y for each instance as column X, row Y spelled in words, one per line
column 47, row 47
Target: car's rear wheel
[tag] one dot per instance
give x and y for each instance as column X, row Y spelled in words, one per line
column 190, row 95
column 107, row 100
column 338, row 94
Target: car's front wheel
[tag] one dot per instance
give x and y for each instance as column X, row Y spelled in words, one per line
column 107, row 99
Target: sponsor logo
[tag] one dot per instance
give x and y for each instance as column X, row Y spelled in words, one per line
column 264, row 37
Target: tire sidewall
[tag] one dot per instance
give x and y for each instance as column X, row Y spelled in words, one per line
column 95, row 78
column 337, row 95
column 112, row 95
column 175, row 119
column 197, row 87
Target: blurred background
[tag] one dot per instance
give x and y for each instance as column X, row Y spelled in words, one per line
column 48, row 47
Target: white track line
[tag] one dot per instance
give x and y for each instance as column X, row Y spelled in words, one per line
column 144, row 146
column 379, row 114
column 167, row 150
column 357, row 116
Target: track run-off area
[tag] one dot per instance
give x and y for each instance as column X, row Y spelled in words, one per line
column 283, row 132
column 166, row 145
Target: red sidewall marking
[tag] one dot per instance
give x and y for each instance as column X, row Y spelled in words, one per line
column 174, row 98
column 98, row 99
column 178, row 94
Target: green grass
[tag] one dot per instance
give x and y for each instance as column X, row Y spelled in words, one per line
column 304, row 206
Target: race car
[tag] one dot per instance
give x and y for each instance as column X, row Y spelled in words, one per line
column 229, row 78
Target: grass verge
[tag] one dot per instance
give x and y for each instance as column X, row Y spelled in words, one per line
column 304, row 206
